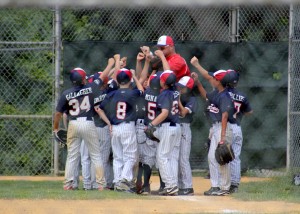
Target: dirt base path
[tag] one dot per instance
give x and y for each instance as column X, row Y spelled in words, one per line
column 175, row 204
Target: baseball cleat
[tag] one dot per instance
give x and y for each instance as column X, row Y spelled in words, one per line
column 221, row 192
column 146, row 190
column 212, row 191
column 187, row 191
column 233, row 189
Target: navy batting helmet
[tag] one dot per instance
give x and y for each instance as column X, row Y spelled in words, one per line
column 77, row 76
column 155, row 82
column 124, row 76
column 234, row 77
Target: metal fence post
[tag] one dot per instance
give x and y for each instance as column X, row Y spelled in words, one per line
column 234, row 30
column 288, row 155
column 57, row 75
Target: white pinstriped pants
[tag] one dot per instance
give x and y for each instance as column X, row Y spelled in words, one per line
column 235, row 165
column 184, row 170
column 219, row 175
column 105, row 146
column 79, row 130
column 146, row 147
column 167, row 154
column 124, row 146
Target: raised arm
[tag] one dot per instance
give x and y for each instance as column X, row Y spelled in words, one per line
column 145, row 70
column 164, row 61
column 109, row 66
column 200, row 88
column 138, row 84
column 203, row 72
column 138, row 68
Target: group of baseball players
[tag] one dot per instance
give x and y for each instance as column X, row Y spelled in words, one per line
column 109, row 114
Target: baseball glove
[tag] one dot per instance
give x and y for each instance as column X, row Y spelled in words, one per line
column 224, row 153
column 61, row 137
column 149, row 133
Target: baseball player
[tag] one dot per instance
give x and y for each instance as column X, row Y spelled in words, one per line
column 221, row 111
column 78, row 102
column 147, row 147
column 120, row 107
column 168, row 129
column 243, row 107
column 187, row 106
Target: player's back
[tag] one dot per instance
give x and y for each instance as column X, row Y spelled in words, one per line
column 120, row 105
column 241, row 103
column 169, row 99
column 78, row 101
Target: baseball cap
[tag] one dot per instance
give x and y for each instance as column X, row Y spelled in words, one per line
column 218, row 75
column 168, row 77
column 165, row 40
column 124, row 76
column 155, row 82
column 186, row 81
column 77, row 76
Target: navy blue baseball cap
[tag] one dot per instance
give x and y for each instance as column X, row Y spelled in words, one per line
column 124, row 76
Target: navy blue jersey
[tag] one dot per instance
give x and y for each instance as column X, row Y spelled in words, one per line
column 150, row 105
column 79, row 100
column 241, row 104
column 120, row 105
column 220, row 103
column 140, row 108
column 168, row 99
column 189, row 102
column 99, row 97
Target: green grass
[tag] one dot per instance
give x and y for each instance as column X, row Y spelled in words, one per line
column 54, row 190
column 276, row 189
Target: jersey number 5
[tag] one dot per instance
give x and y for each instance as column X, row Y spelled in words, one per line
column 77, row 106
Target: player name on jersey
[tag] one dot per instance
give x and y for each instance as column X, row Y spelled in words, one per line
column 151, row 98
column 79, row 93
column 99, row 98
column 236, row 97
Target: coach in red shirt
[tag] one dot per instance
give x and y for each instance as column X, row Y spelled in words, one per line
column 176, row 62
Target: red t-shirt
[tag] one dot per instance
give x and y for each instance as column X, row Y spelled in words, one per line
column 178, row 66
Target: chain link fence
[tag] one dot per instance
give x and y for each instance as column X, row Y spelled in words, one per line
column 27, row 54
column 26, row 91
column 294, row 96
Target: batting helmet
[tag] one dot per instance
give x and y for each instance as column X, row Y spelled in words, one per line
column 168, row 77
column 78, row 76
column 234, row 77
column 155, row 82
column 124, row 76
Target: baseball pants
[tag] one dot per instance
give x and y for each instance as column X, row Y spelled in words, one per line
column 124, row 146
column 184, row 170
column 219, row 175
column 235, row 165
column 167, row 154
column 78, row 130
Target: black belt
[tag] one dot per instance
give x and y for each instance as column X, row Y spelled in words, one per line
column 82, row 118
column 171, row 124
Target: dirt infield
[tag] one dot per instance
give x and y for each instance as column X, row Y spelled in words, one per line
column 175, row 204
